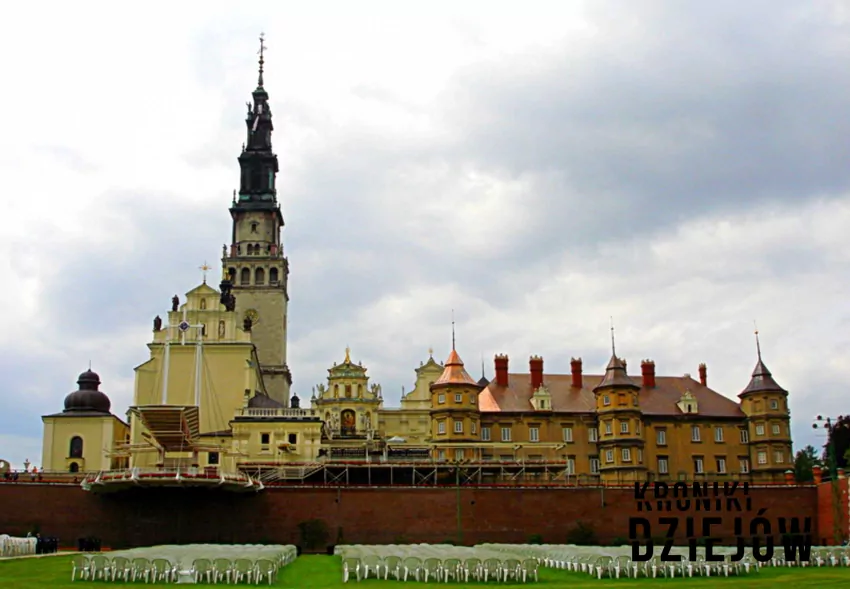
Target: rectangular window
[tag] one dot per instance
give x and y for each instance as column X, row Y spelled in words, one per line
column 774, row 429
column 721, row 465
column 637, row 428
column 695, row 433
column 264, row 439
column 762, row 457
column 485, row 434
column 778, row 457
column 745, row 436
column 458, row 398
column 441, row 427
column 472, row 399
column 534, row 434
column 606, row 400
column 458, row 427
column 474, row 427
column 624, row 427
column 506, row 434
column 640, row 455
column 774, row 404
column 213, row 458
column 759, row 429
column 745, row 465
column 698, row 465
column 459, row 454
column 441, row 455
column 594, row 465
column 571, row 465
column 662, row 465
column 718, row 434
column 441, row 398
column 621, row 400
column 609, row 456
column 626, row 455
column 661, row 437
column 567, row 434
column 608, row 429
column 593, row 434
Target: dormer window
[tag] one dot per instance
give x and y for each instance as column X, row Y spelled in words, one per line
column 688, row 403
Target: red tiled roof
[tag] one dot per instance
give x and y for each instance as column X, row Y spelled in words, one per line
column 660, row 400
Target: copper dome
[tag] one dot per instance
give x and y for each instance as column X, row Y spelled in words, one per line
column 88, row 398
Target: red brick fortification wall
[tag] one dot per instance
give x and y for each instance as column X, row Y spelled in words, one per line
column 364, row 515
column 827, row 511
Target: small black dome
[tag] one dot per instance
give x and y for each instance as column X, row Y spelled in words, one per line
column 88, row 397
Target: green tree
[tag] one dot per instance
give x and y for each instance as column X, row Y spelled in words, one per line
column 839, row 435
column 803, row 463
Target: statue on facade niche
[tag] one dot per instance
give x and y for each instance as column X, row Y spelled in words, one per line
column 175, row 302
column 246, row 325
column 335, row 422
column 157, row 323
column 221, row 329
column 376, row 390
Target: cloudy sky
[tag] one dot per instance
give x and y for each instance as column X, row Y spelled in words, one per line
column 538, row 167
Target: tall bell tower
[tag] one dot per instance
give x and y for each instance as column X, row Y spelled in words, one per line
column 254, row 265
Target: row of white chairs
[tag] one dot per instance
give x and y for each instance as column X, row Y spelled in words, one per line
column 424, row 562
column 13, row 546
column 169, row 564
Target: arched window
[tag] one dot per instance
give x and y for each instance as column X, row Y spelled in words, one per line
column 231, row 273
column 260, row 276
column 250, row 249
column 203, row 304
column 74, row 467
column 76, row 447
column 273, row 276
column 246, row 276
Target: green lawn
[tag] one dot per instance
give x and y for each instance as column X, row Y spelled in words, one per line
column 324, row 572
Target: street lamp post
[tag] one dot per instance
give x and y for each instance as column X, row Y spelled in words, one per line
column 832, row 462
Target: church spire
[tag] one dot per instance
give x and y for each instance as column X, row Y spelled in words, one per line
column 762, row 380
column 262, row 60
column 257, row 161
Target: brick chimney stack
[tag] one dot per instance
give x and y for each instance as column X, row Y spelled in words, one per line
column 647, row 370
column 535, row 366
column 501, row 361
column 703, row 375
column 575, row 367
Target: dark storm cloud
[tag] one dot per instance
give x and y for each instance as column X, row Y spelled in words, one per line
column 705, row 109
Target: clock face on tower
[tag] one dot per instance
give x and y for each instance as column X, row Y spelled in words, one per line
column 253, row 316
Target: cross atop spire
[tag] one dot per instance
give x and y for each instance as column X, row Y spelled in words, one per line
column 205, row 268
column 262, row 60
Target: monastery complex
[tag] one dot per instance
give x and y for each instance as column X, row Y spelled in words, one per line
column 214, row 398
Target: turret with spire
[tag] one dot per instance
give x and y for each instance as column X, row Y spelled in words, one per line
column 768, row 427
column 618, row 407
column 455, row 417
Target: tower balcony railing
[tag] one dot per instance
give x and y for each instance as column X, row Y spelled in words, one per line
column 278, row 413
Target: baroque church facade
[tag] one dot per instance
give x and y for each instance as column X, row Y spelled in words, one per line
column 215, row 392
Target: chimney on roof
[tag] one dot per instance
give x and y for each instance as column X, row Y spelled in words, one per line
column 501, row 362
column 535, row 367
column 647, row 370
column 575, row 367
column 703, row 375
